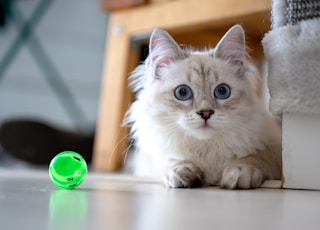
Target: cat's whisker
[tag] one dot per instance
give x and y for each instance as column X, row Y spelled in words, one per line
column 172, row 118
column 172, row 129
column 119, row 142
column 184, row 139
column 126, row 152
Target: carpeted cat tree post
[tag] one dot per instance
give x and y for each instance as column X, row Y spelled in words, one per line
column 292, row 50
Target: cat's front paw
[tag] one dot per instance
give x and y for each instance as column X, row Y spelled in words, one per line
column 241, row 176
column 184, row 175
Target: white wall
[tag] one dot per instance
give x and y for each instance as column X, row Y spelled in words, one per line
column 72, row 34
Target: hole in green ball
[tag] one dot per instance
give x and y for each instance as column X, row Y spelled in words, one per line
column 71, row 185
column 77, row 158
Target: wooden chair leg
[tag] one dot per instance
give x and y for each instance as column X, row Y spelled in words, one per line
column 111, row 140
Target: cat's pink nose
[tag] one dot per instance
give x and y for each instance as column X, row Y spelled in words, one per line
column 205, row 114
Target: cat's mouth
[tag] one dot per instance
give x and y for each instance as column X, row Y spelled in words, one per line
column 205, row 126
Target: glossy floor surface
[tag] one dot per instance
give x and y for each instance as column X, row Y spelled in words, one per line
column 28, row 200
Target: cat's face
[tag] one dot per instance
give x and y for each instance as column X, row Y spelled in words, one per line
column 201, row 94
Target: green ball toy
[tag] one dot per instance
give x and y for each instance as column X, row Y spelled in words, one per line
column 68, row 170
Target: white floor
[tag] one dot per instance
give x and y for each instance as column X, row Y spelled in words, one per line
column 28, row 200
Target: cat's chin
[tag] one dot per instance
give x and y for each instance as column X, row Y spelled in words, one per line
column 202, row 133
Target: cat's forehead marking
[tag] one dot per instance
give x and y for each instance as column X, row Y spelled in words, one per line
column 200, row 66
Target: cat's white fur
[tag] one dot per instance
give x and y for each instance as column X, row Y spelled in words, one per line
column 239, row 146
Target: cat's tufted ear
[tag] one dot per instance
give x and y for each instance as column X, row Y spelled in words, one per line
column 232, row 46
column 163, row 50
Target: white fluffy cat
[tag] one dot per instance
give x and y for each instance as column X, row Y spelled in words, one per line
column 197, row 119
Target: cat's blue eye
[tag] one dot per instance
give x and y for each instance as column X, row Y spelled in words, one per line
column 183, row 93
column 222, row 91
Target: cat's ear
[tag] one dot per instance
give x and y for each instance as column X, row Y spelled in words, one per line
column 163, row 50
column 232, row 46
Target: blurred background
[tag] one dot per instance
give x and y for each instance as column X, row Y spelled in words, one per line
column 51, row 54
column 51, row 57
